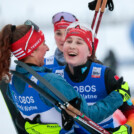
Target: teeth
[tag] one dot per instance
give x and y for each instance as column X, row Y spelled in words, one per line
column 72, row 54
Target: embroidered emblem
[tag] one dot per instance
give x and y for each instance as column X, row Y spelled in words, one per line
column 49, row 60
column 96, row 72
column 34, row 80
column 60, row 72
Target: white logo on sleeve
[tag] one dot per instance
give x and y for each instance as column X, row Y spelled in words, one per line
column 50, row 60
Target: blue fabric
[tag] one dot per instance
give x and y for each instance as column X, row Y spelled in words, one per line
column 92, row 89
column 55, row 61
column 51, row 62
column 29, row 101
column 106, row 105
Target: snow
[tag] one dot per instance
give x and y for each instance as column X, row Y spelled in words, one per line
column 114, row 33
column 6, row 125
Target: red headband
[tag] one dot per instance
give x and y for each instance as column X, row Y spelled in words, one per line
column 85, row 35
column 61, row 24
column 34, row 40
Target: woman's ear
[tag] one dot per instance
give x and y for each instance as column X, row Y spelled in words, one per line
column 89, row 54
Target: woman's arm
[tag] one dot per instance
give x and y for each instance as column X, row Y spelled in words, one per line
column 128, row 111
column 96, row 112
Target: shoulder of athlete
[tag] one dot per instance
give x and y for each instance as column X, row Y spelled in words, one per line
column 61, row 85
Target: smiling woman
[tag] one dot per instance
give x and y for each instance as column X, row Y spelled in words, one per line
column 60, row 22
column 33, row 111
column 77, row 41
column 88, row 76
column 73, row 46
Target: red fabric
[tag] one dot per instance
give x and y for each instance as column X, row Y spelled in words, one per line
column 119, row 118
column 61, row 24
column 18, row 47
column 124, row 116
column 129, row 112
column 116, row 77
column 85, row 35
column 96, row 41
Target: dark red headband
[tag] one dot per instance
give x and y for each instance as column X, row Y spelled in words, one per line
column 61, row 24
column 32, row 38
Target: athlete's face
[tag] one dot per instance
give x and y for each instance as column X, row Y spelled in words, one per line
column 76, row 51
column 59, row 38
column 39, row 54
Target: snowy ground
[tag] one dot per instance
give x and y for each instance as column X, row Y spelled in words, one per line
column 113, row 33
column 6, row 125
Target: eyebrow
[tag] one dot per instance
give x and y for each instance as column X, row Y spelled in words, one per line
column 57, row 31
column 77, row 38
column 80, row 39
column 69, row 38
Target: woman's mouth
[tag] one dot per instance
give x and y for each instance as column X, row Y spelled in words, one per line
column 72, row 54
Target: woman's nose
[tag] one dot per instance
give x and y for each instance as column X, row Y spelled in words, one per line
column 62, row 38
column 47, row 48
column 72, row 45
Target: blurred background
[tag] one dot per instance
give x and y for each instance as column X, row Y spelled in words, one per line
column 116, row 34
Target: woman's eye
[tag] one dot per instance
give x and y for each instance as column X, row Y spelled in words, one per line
column 79, row 43
column 69, row 41
column 59, row 34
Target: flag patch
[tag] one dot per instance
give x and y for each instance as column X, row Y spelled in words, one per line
column 116, row 77
column 96, row 72
column 60, row 72
column 34, row 80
